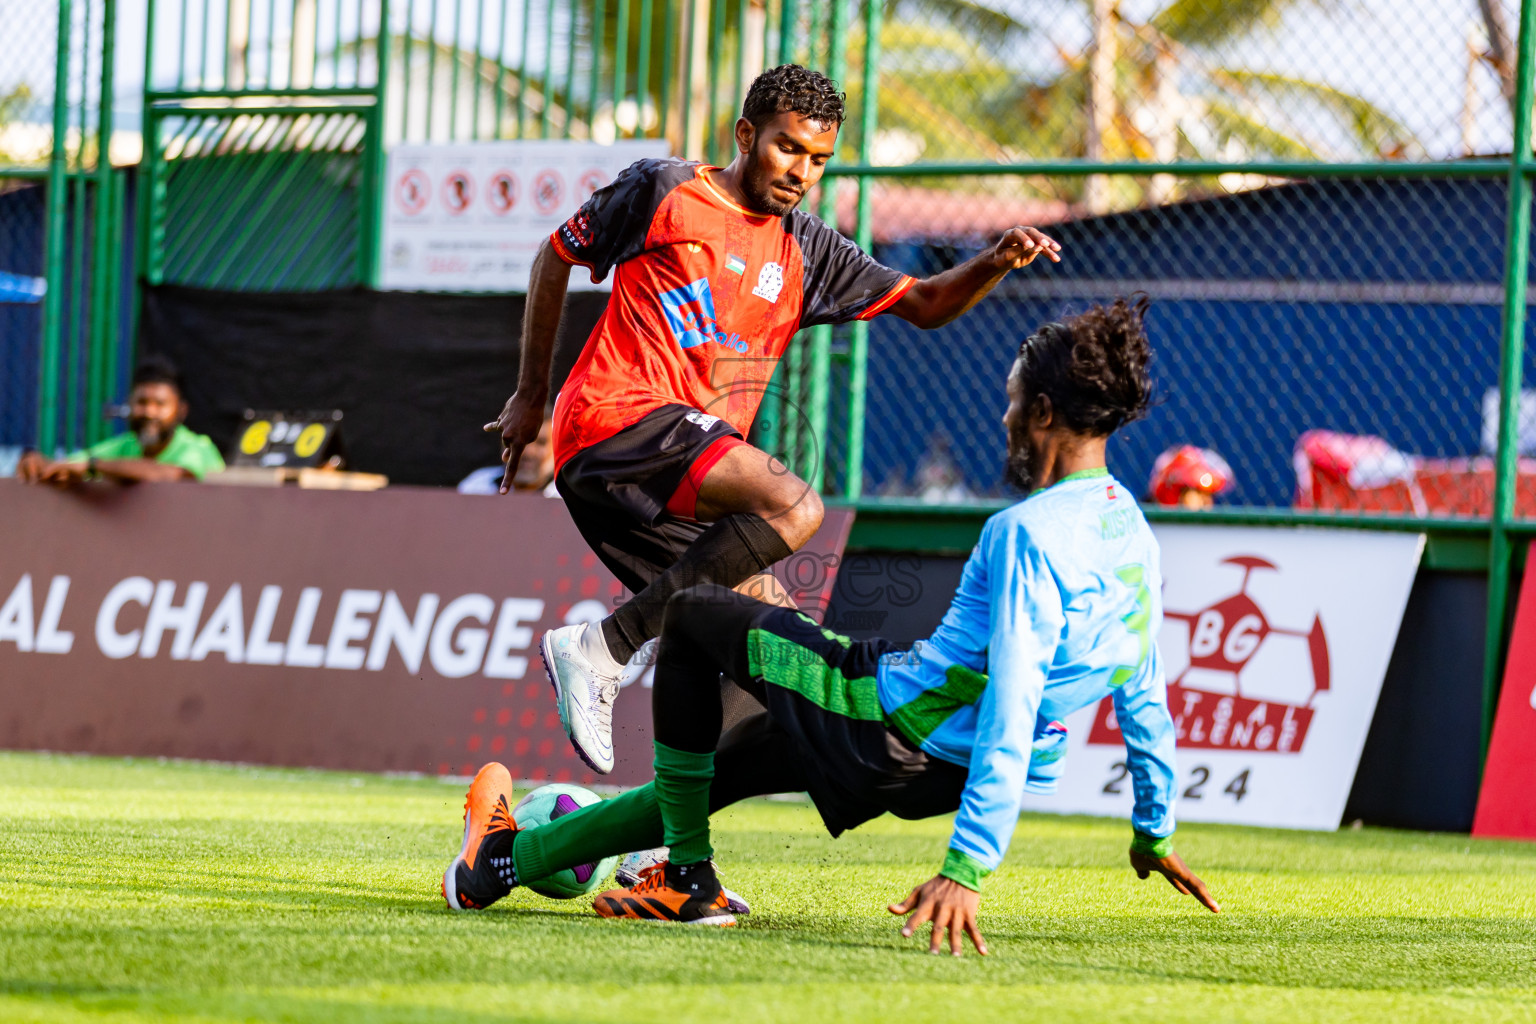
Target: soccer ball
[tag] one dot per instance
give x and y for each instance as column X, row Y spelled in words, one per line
column 543, row 806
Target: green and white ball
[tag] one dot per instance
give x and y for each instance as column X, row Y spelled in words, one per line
column 543, row 806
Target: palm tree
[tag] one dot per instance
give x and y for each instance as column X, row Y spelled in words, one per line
column 1157, row 89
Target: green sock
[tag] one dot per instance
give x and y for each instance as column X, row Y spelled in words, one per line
column 682, row 791
column 628, row 822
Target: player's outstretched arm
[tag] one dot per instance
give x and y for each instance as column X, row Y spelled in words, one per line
column 948, row 905
column 935, row 301
column 1173, row 868
column 523, row 414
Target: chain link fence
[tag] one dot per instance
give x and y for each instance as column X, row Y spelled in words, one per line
column 60, row 226
column 1165, row 80
column 26, row 139
column 1363, row 308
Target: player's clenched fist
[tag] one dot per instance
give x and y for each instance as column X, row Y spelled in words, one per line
column 950, row 906
column 1019, row 246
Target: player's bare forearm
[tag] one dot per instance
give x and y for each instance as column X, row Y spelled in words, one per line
column 133, row 471
column 547, row 284
column 523, row 414
column 937, row 300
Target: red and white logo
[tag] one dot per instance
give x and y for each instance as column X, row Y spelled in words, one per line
column 412, row 191
column 501, row 192
column 1221, row 695
column 458, row 192
column 548, row 190
column 590, row 182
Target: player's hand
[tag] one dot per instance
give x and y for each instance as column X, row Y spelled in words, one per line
column 31, row 467
column 61, row 474
column 948, row 904
column 518, row 426
column 1019, row 246
column 1173, row 868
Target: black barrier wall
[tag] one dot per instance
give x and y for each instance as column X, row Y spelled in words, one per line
column 415, row 375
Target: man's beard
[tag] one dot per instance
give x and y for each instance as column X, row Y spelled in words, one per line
column 760, row 197
column 1020, row 470
column 151, row 433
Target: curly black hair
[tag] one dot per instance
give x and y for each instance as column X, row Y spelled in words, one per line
column 790, row 87
column 1092, row 366
column 154, row 368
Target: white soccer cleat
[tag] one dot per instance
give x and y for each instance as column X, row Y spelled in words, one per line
column 583, row 694
column 633, row 868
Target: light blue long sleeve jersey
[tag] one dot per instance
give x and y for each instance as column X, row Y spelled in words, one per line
column 1058, row 607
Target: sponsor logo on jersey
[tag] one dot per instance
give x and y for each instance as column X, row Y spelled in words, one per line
column 690, row 312
column 702, row 420
column 770, row 281
column 735, row 264
column 579, row 229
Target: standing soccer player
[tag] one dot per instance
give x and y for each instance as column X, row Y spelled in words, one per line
column 715, row 270
column 1056, row 610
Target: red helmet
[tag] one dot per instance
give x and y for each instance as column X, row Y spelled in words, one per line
column 1187, row 468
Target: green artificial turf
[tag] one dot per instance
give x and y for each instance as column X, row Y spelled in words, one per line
column 148, row 891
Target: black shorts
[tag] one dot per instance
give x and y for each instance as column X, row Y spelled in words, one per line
column 819, row 691
column 617, row 490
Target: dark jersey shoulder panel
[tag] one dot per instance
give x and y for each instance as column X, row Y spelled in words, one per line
column 842, row 282
column 612, row 225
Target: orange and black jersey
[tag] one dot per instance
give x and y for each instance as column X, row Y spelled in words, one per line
column 706, row 296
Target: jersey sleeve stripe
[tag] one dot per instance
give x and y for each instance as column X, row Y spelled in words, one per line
column 902, row 287
column 566, row 254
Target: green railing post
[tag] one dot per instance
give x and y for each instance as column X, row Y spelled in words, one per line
column 371, row 197
column 714, row 150
column 1511, row 356
column 547, row 91
column 819, row 395
column 594, row 92
column 53, row 246
column 103, row 259
column 858, row 343
column 788, row 15
column 109, row 370
column 620, row 62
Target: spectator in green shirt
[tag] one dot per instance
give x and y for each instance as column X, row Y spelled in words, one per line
column 157, row 447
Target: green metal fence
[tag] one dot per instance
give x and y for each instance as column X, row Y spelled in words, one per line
column 62, row 202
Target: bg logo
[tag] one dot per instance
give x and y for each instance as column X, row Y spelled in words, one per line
column 1224, row 639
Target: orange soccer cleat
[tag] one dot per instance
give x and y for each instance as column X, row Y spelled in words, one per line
column 482, row 872
column 687, row 893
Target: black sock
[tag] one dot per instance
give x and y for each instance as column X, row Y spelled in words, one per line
column 698, row 878
column 498, row 853
column 728, row 553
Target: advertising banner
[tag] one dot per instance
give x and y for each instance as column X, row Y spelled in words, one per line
column 1506, row 804
column 393, row 630
column 470, row 216
column 1275, row 644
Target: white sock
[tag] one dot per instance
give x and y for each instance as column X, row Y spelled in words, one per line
column 596, row 650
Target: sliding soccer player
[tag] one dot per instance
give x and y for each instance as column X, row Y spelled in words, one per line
column 714, row 272
column 1057, row 608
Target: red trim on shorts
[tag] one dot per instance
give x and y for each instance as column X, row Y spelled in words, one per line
column 685, row 500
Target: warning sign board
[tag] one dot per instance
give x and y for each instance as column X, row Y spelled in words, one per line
column 470, row 216
column 1274, row 644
